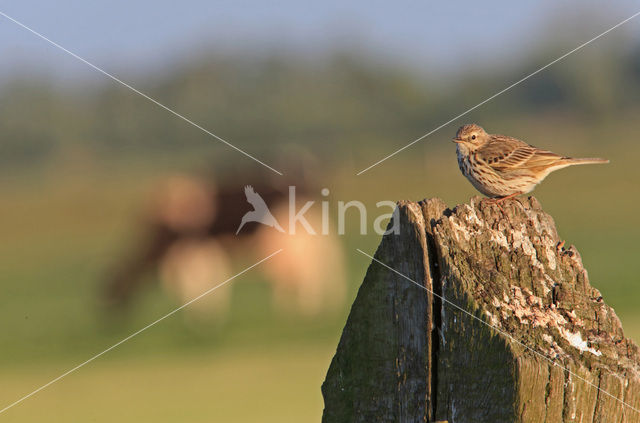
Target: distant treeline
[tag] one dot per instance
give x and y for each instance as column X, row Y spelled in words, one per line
column 260, row 101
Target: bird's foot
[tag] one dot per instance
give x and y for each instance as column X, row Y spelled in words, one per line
column 496, row 201
column 499, row 200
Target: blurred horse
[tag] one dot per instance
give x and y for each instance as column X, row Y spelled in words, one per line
column 190, row 229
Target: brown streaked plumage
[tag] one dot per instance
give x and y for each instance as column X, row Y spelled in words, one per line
column 502, row 167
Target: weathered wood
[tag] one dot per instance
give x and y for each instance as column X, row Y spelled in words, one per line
column 381, row 369
column 407, row 356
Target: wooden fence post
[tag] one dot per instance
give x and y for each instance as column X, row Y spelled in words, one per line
column 519, row 336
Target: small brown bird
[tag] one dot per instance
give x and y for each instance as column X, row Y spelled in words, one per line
column 503, row 167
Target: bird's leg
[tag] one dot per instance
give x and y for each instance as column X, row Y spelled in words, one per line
column 497, row 201
column 493, row 200
column 501, row 199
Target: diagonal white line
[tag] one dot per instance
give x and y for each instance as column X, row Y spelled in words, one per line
column 498, row 93
column 539, row 354
column 138, row 92
column 136, row 333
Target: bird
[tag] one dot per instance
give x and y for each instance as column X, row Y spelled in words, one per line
column 260, row 212
column 503, row 167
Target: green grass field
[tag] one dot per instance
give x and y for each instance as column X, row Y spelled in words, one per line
column 260, row 384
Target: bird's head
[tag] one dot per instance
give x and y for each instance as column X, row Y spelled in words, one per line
column 471, row 135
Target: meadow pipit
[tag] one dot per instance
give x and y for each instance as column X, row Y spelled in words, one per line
column 503, row 167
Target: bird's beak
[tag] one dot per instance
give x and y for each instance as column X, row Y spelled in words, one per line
column 457, row 140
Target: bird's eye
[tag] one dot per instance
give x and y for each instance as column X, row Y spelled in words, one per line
column 473, row 137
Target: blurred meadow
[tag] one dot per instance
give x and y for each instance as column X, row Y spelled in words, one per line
column 80, row 161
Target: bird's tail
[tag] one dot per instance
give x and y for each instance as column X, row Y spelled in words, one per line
column 241, row 224
column 571, row 161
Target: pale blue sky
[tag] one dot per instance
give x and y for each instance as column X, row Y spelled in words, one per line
column 147, row 35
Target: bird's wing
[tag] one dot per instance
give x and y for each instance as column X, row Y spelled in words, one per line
column 506, row 153
column 249, row 193
column 254, row 198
